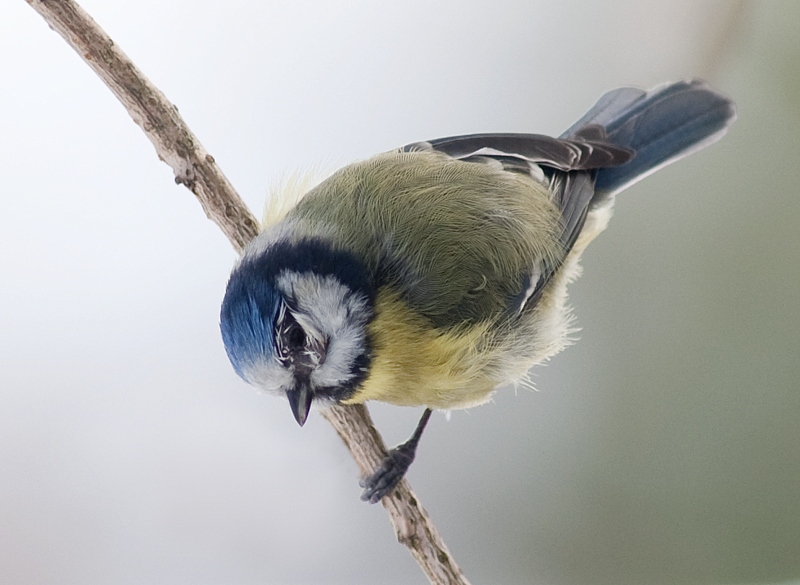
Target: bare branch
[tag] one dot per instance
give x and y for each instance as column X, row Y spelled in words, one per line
column 194, row 167
column 411, row 522
column 175, row 144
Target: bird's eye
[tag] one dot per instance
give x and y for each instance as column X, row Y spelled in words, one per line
column 290, row 337
column 295, row 337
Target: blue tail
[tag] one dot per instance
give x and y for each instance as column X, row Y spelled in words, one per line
column 661, row 126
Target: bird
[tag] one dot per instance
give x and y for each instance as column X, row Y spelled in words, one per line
column 434, row 274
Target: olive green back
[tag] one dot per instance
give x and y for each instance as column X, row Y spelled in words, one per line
column 454, row 239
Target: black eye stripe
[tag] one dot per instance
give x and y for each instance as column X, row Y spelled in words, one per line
column 315, row 256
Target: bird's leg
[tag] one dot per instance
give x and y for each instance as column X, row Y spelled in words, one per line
column 394, row 466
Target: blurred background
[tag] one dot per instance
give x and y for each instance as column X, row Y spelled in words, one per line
column 663, row 448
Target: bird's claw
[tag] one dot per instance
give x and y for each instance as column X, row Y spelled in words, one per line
column 388, row 475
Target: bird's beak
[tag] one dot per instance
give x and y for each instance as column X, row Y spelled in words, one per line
column 300, row 400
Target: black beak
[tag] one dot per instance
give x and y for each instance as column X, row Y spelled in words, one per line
column 300, row 401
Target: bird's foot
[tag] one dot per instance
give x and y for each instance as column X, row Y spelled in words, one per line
column 389, row 474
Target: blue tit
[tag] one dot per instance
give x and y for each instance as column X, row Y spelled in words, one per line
column 434, row 274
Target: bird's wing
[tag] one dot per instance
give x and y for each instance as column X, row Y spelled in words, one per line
column 586, row 150
column 564, row 165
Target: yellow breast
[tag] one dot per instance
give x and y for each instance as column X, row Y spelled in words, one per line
column 416, row 365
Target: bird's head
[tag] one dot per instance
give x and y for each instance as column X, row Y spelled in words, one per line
column 294, row 322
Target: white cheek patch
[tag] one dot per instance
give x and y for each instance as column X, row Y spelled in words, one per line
column 270, row 376
column 334, row 315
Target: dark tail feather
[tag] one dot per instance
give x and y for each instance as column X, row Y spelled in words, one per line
column 661, row 126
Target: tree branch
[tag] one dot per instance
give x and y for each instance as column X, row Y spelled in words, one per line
column 176, row 145
column 411, row 522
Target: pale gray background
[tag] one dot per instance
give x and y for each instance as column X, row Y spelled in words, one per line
column 662, row 448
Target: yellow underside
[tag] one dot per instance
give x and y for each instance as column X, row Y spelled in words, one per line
column 416, row 365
